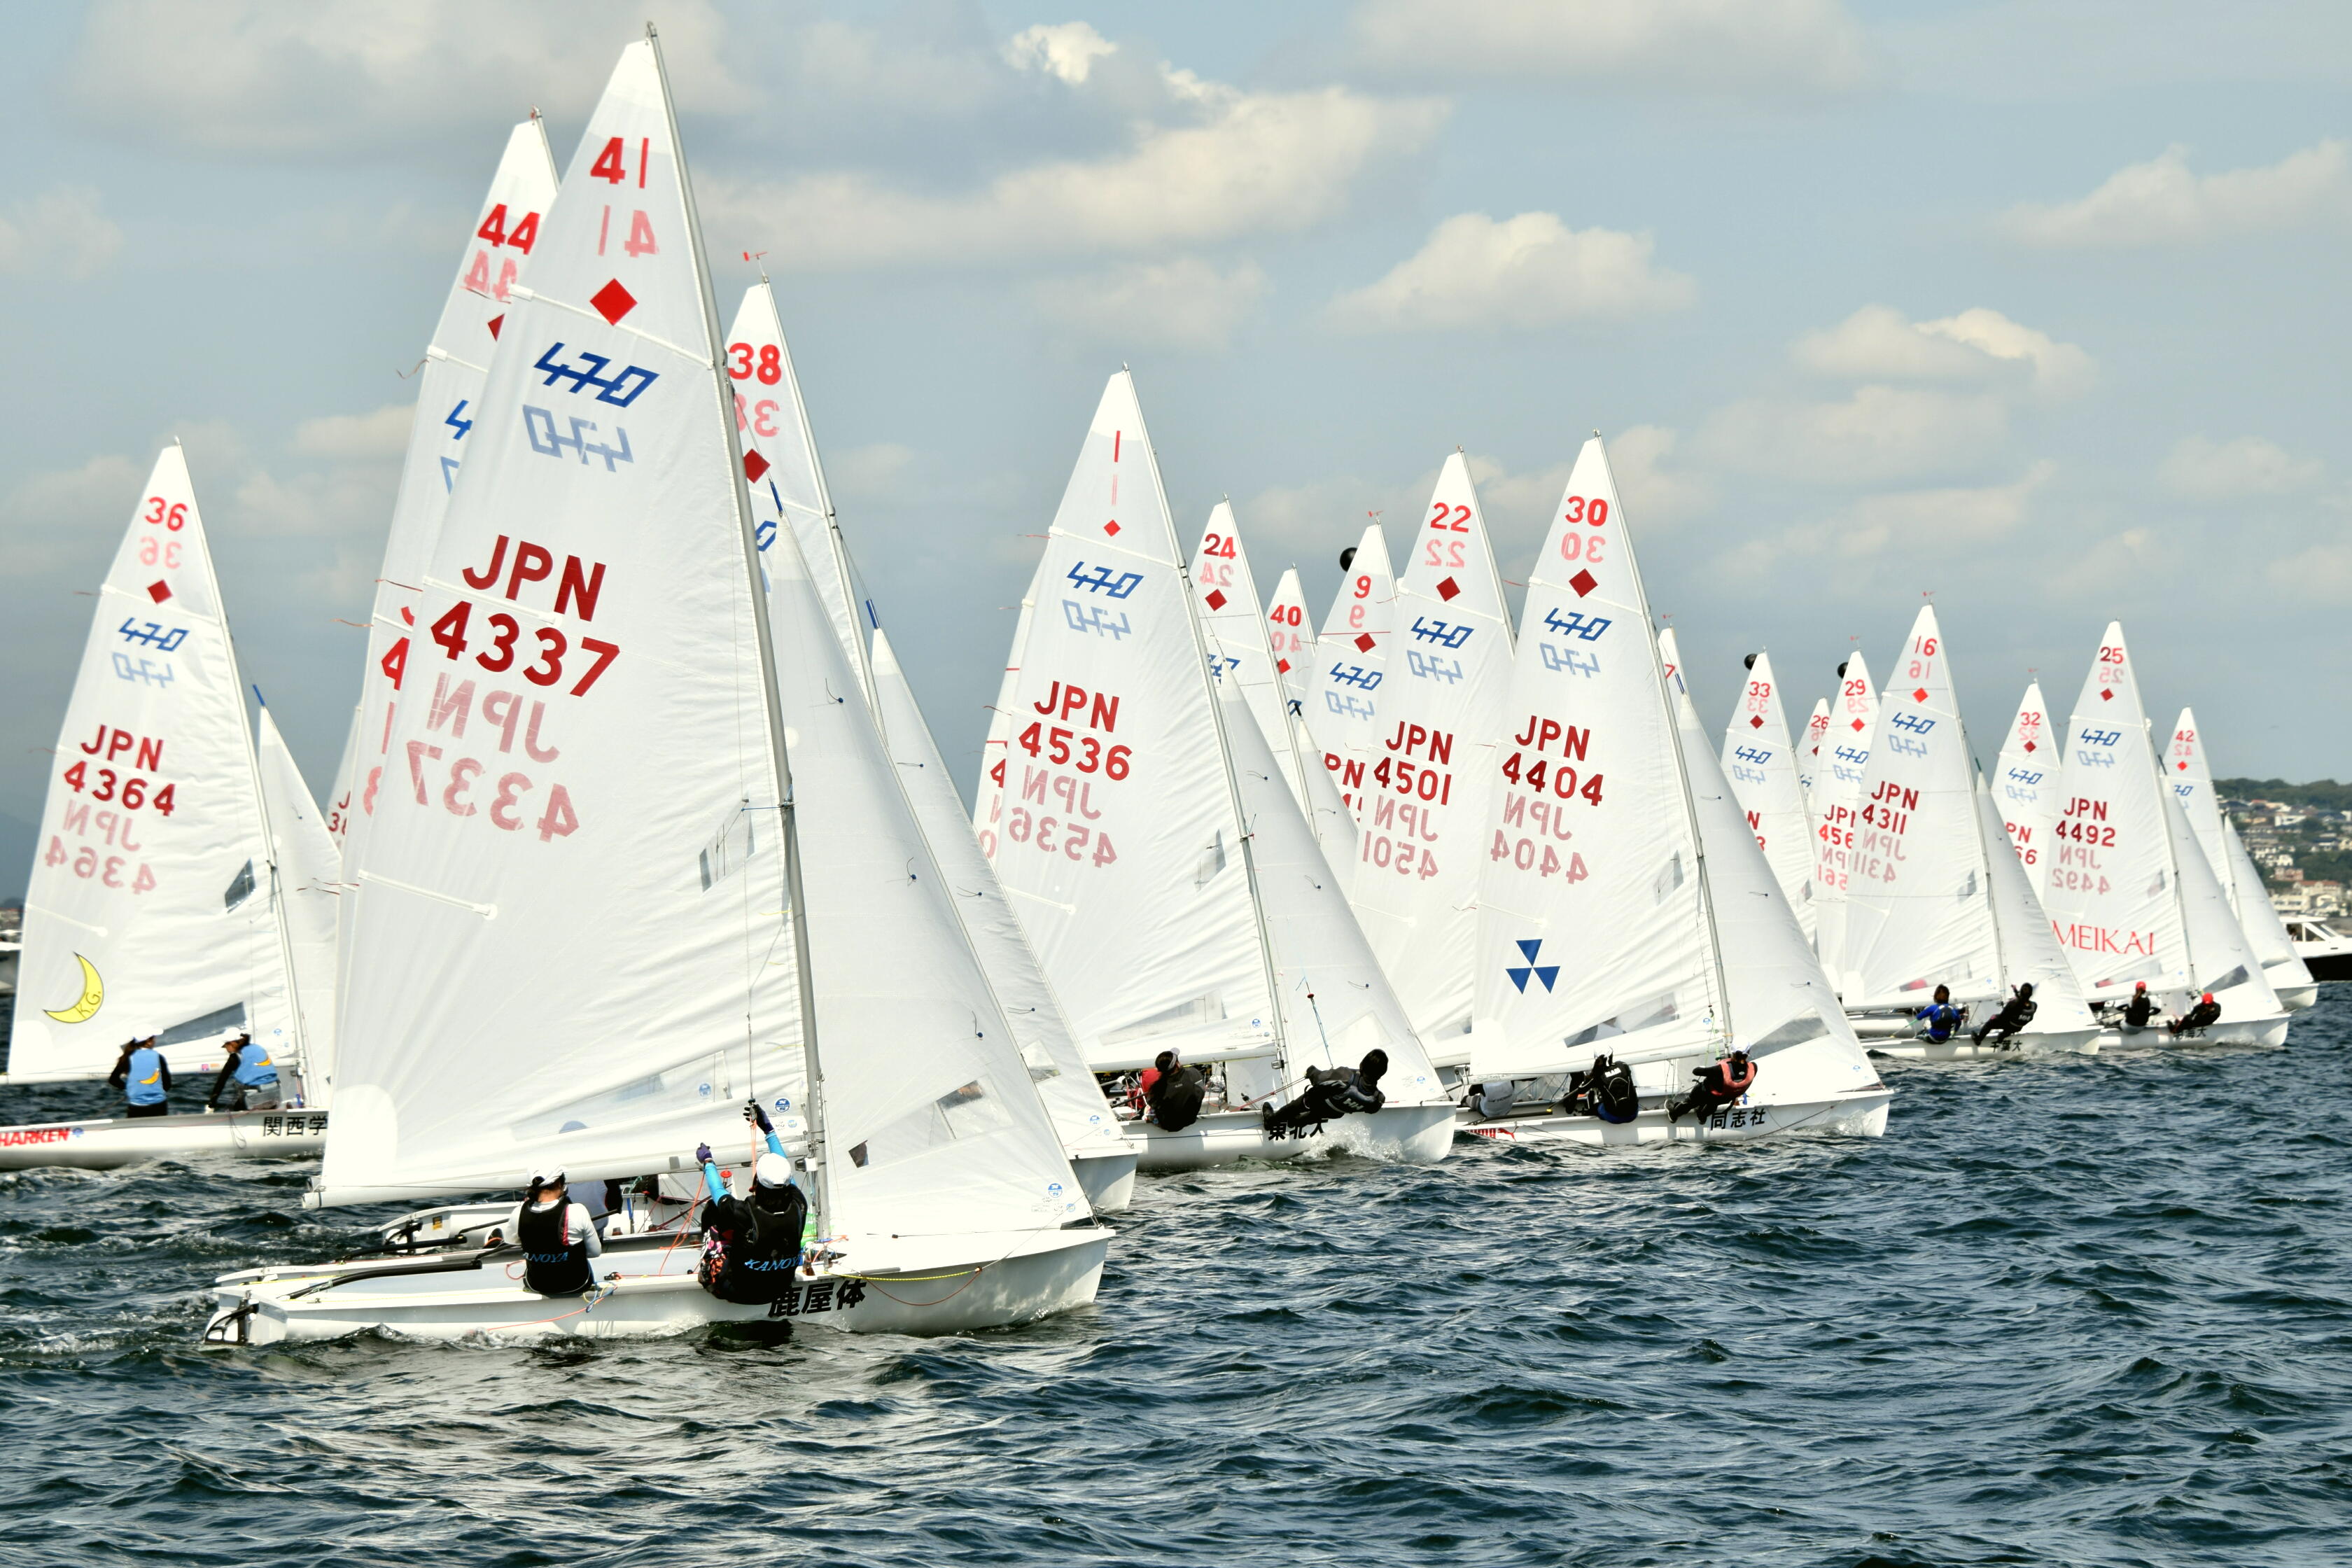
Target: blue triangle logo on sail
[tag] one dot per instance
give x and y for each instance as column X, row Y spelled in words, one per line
column 1547, row 973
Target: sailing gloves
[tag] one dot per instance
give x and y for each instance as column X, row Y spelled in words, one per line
column 753, row 1112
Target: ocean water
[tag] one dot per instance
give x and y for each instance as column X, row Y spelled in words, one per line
column 2081, row 1311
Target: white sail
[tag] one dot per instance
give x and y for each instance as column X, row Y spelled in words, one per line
column 584, row 748
column 2221, row 960
column 2028, row 947
column 932, row 1124
column 1423, row 813
column 1761, row 764
column 1918, row 897
column 2029, row 772
column 988, row 793
column 1040, row 1026
column 310, row 875
column 340, row 798
column 1226, row 591
column 2191, row 777
column 1334, row 995
column 1351, row 662
column 498, row 254
column 2111, row 881
column 1808, row 764
column 150, row 907
column 1289, row 632
column 1592, row 925
column 785, row 474
column 1837, row 796
column 1117, row 838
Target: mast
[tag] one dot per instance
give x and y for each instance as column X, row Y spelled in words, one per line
column 1682, row 764
column 755, row 581
column 260, row 808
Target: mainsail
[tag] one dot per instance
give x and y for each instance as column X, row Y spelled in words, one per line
column 1761, row 764
column 1837, row 796
column 1808, row 764
column 152, row 907
column 1351, row 662
column 1423, row 807
column 309, row 873
column 2029, row 773
column 2191, row 778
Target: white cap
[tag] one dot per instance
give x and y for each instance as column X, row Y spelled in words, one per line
column 772, row 1170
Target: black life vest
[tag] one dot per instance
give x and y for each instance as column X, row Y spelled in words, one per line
column 1176, row 1097
column 2020, row 1010
column 1617, row 1099
column 748, row 1250
column 551, row 1265
column 2137, row 1011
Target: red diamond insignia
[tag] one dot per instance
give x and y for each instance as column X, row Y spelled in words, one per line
column 2182, row 766
column 1919, row 695
column 1216, row 598
column 1366, row 643
column 1111, row 527
column 2028, row 745
column 159, row 590
column 1448, row 589
column 494, row 323
column 1583, row 583
column 612, row 301
column 1757, row 722
column 1857, row 726
column 2106, row 694
column 754, row 466
column 1283, row 665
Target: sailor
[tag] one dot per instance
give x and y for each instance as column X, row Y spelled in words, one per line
column 1491, row 1102
column 2203, row 1015
column 2014, row 1015
column 144, row 1077
column 1173, row 1096
column 557, row 1236
column 750, row 1246
column 1719, row 1085
column 1938, row 1018
column 255, row 1074
column 1598, row 1086
column 1331, row 1093
column 2140, row 1009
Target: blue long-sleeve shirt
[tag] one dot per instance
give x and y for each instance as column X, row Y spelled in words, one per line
column 1941, row 1018
column 714, row 1186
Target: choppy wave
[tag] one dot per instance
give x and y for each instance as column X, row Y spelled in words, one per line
column 2084, row 1310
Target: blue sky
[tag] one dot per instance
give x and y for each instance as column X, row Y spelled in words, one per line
column 2039, row 307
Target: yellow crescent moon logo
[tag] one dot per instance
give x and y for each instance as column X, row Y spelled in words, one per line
column 93, row 995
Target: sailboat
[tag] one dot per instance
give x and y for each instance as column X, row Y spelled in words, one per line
column 789, row 495
column 1925, row 902
column 595, row 928
column 1162, row 890
column 1424, row 807
column 156, row 905
column 1837, row 796
column 2129, row 892
column 1625, row 909
column 1287, row 633
column 1808, row 759
column 1226, row 592
column 2029, row 772
column 2191, row 777
column 1352, row 662
column 1761, row 765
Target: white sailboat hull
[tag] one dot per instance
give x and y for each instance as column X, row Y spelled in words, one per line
column 1862, row 1115
column 1106, row 1179
column 105, row 1144
column 1960, row 1048
column 1414, row 1134
column 2293, row 984
column 930, row 1286
column 2258, row 1031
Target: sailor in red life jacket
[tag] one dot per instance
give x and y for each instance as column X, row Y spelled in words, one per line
column 1720, row 1085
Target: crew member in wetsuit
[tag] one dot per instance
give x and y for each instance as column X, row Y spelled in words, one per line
column 1173, row 1099
column 144, row 1077
column 558, row 1237
column 256, row 1075
column 2140, row 1009
column 2014, row 1015
column 2203, row 1015
column 1938, row 1018
column 1720, row 1085
column 751, row 1246
column 1331, row 1093
column 1604, row 1089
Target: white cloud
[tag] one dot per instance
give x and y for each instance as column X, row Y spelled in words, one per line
column 2161, row 202
column 252, row 78
column 1527, row 271
column 61, row 233
column 1233, row 163
column 1921, row 523
column 1878, row 344
column 2208, row 470
column 876, row 472
column 383, row 434
column 1186, row 303
column 49, row 518
column 1882, row 434
column 1654, row 494
column 1067, row 50
column 1775, row 47
column 2322, row 573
